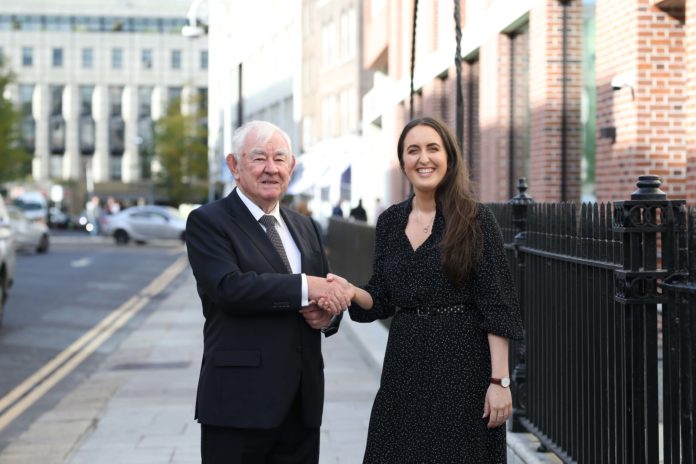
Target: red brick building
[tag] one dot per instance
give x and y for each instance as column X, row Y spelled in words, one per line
column 580, row 97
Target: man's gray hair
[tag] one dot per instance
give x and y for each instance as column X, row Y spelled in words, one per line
column 264, row 131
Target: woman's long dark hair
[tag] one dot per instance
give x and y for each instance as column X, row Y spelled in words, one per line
column 461, row 243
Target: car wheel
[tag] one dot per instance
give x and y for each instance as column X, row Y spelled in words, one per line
column 121, row 237
column 43, row 244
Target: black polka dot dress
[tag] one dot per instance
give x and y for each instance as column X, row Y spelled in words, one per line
column 429, row 405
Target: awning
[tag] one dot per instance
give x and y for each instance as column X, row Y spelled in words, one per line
column 324, row 165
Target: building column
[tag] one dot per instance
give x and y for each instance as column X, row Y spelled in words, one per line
column 159, row 102
column 546, row 100
column 41, row 163
column 101, row 167
column 130, row 167
column 494, row 74
column 157, row 111
column 72, row 156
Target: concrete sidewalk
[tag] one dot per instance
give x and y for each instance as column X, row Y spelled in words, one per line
column 137, row 407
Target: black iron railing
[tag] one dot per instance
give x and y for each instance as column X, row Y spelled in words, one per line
column 607, row 370
column 593, row 282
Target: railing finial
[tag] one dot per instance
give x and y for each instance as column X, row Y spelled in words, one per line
column 648, row 189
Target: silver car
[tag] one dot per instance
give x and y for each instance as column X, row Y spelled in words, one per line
column 7, row 256
column 144, row 223
column 30, row 234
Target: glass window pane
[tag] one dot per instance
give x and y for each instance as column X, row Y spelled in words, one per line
column 117, row 58
column 176, row 59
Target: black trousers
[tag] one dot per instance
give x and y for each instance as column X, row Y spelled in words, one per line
column 290, row 443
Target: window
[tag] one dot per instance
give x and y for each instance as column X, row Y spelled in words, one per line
column 117, row 58
column 86, row 122
column 57, row 58
column 328, row 116
column 204, row 59
column 328, row 44
column 86, row 99
column 174, row 99
column 27, row 56
column 56, row 121
column 87, row 58
column 146, row 58
column 144, row 102
column 176, row 59
column 347, row 110
column 26, row 93
column 27, row 123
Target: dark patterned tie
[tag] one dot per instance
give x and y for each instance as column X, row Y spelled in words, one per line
column 269, row 222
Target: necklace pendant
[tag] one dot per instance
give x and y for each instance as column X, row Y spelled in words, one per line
column 425, row 229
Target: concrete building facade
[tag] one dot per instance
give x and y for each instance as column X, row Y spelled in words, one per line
column 257, row 63
column 91, row 77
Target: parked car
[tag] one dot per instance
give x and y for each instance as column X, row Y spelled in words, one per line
column 143, row 223
column 34, row 206
column 29, row 234
column 7, row 256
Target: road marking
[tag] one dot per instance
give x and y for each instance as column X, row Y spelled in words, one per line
column 36, row 385
column 82, row 262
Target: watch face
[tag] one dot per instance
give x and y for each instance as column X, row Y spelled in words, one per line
column 505, row 382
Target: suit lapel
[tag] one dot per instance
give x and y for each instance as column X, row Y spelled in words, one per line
column 246, row 222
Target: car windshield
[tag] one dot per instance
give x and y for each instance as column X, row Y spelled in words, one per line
column 29, row 206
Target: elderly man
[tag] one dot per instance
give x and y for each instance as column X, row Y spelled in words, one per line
column 259, row 268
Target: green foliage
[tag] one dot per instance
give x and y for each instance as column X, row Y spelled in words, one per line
column 181, row 146
column 15, row 161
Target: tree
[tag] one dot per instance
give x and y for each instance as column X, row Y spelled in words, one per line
column 181, row 146
column 15, row 161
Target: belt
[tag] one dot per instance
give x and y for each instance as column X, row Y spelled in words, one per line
column 425, row 311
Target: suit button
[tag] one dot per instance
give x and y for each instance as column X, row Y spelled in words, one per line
column 299, row 348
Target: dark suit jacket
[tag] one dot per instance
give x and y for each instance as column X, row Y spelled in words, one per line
column 258, row 350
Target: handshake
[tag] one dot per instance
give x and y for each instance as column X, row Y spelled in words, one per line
column 328, row 297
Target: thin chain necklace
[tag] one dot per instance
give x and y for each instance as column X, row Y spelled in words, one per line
column 426, row 227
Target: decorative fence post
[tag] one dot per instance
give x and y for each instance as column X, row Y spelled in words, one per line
column 520, row 209
column 640, row 221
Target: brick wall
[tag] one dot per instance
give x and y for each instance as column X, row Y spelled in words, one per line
column 690, row 47
column 545, row 93
column 645, row 45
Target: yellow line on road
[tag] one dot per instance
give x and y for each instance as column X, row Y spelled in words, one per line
column 35, row 386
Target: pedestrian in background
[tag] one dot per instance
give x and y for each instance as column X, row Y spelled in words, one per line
column 440, row 269
column 337, row 211
column 358, row 213
column 258, row 266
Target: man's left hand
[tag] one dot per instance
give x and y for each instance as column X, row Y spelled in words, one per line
column 316, row 317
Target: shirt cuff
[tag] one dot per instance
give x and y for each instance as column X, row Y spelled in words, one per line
column 305, row 291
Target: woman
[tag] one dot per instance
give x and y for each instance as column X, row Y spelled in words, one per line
column 441, row 271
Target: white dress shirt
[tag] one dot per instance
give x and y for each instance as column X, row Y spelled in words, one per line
column 291, row 249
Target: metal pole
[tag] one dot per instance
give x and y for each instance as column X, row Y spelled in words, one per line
column 564, row 103
column 413, row 57
column 458, row 66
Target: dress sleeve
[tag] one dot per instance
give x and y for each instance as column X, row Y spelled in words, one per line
column 376, row 286
column 494, row 289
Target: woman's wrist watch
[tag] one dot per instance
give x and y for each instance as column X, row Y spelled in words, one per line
column 503, row 381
